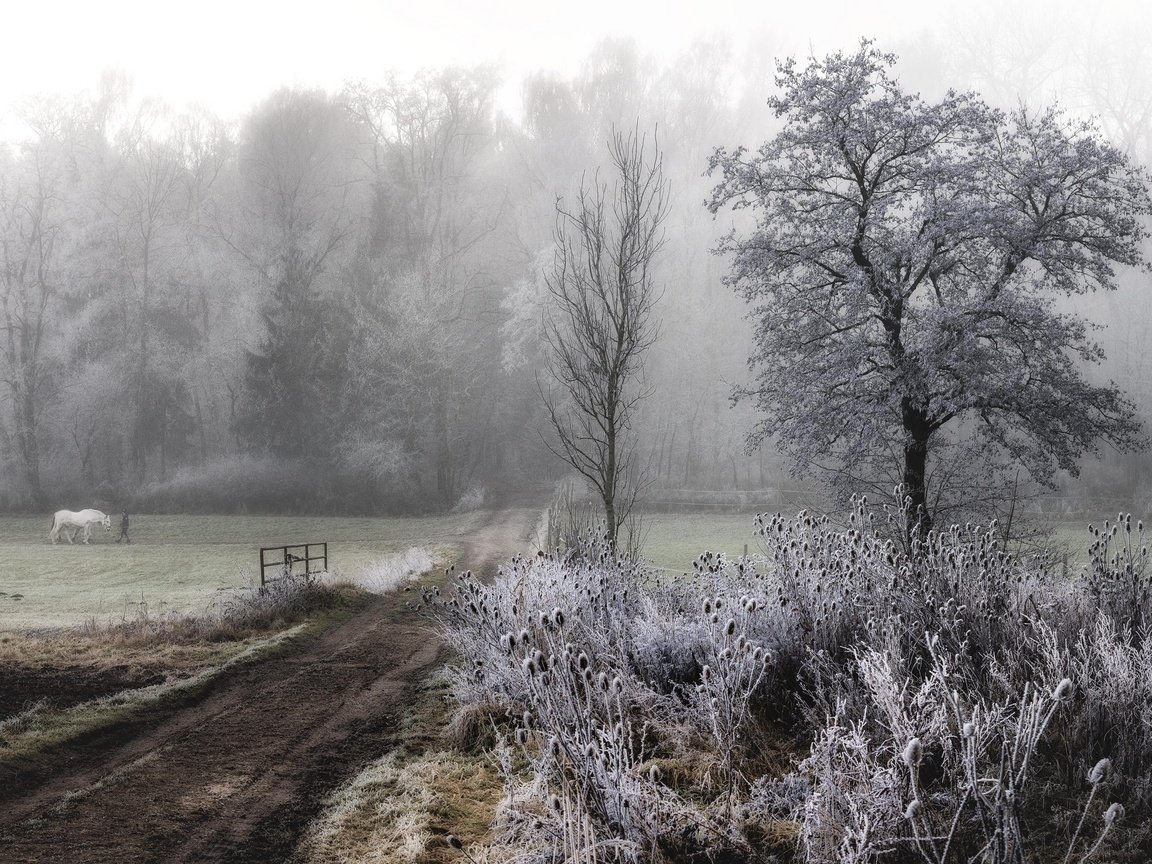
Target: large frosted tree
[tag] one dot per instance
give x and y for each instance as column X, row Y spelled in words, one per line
column 905, row 267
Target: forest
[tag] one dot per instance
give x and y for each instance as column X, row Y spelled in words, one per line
column 335, row 302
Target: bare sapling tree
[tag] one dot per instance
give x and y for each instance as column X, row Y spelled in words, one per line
column 602, row 319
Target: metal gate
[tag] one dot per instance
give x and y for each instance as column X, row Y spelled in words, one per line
column 292, row 561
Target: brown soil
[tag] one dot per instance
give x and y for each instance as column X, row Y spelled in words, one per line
column 237, row 774
column 23, row 686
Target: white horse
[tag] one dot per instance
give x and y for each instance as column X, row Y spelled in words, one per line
column 66, row 519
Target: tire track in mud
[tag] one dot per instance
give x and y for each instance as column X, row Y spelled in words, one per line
column 238, row 775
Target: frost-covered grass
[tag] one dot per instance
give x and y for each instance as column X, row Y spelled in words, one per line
column 672, row 541
column 837, row 699
column 186, row 652
column 396, row 571
column 184, row 563
column 423, row 801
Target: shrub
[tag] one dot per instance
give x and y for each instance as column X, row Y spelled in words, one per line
column 392, row 572
column 938, row 771
column 248, row 611
column 954, row 701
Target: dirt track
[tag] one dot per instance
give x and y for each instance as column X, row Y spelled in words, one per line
column 237, row 775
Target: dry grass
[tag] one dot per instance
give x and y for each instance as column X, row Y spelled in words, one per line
column 189, row 652
column 75, row 647
column 175, row 642
column 401, row 809
column 405, row 806
column 39, row 729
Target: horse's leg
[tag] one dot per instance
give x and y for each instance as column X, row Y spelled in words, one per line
column 87, row 532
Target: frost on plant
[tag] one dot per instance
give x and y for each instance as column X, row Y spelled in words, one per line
column 944, row 702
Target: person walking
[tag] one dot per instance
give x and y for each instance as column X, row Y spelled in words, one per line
column 124, row 529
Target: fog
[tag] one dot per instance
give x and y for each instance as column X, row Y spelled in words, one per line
column 296, row 258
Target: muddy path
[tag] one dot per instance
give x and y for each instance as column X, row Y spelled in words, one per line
column 237, row 775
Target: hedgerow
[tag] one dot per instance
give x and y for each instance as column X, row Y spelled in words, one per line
column 837, row 699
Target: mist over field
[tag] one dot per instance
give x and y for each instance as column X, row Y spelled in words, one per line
column 693, row 432
column 334, row 298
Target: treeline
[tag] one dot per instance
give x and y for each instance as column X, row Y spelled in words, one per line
column 335, row 303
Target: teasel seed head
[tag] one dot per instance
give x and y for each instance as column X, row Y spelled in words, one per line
column 1100, row 771
column 1115, row 811
column 913, row 753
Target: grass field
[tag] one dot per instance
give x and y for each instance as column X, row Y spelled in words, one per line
column 673, row 540
column 184, row 563
column 187, row 563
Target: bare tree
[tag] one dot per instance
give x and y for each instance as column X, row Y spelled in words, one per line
column 602, row 318
column 32, row 217
column 433, row 273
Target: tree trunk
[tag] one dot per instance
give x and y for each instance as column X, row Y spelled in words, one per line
column 200, row 426
column 609, row 491
column 444, row 474
column 29, row 446
column 916, row 434
column 140, row 442
column 164, row 443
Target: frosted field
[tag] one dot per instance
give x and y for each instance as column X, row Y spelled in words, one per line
column 187, row 563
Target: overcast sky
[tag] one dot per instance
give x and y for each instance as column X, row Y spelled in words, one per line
column 226, row 54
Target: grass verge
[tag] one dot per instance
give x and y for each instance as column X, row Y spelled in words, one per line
column 41, row 728
column 406, row 806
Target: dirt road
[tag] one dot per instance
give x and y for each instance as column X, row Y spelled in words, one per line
column 237, row 776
